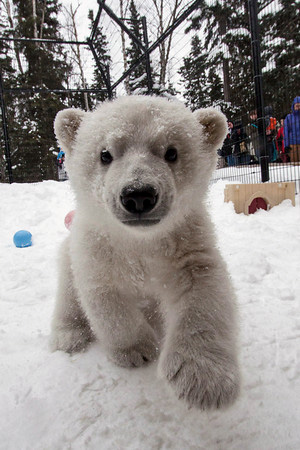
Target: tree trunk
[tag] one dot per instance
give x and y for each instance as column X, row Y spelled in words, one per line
column 77, row 54
column 225, row 64
column 11, row 23
column 126, row 82
column 35, row 32
column 226, row 80
column 165, row 46
column 43, row 19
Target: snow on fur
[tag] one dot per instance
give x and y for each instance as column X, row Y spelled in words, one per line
column 140, row 272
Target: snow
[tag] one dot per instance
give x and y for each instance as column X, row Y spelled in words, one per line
column 238, row 32
column 252, row 174
column 56, row 401
column 272, row 6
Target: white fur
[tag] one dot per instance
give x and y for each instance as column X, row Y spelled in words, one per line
column 144, row 290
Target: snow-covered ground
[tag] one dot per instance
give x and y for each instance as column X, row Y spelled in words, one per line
column 56, row 401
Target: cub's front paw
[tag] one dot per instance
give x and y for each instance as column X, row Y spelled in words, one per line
column 70, row 340
column 143, row 351
column 208, row 382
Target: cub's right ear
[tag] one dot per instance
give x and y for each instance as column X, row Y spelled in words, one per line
column 66, row 124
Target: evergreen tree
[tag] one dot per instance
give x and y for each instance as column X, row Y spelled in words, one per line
column 226, row 38
column 7, row 69
column 137, row 80
column 215, row 87
column 226, row 35
column 238, row 42
column 280, row 30
column 101, row 48
column 76, row 99
column 203, row 85
column 194, row 76
column 45, row 67
column 8, row 80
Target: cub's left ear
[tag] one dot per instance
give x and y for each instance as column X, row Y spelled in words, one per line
column 214, row 125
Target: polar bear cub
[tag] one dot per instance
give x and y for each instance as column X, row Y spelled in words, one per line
column 140, row 271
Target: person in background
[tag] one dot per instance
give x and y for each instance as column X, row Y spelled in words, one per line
column 60, row 162
column 227, row 145
column 60, row 157
column 270, row 145
column 271, row 123
column 239, row 140
column 292, row 131
column 282, row 155
column 252, row 131
column 225, row 153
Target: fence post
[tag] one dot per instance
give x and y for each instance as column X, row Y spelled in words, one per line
column 255, row 44
column 5, row 131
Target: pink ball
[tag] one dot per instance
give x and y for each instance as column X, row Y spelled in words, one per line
column 69, row 219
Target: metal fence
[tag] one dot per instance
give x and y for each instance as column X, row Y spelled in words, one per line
column 250, row 71
column 263, row 141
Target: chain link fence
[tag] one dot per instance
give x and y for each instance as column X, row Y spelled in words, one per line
column 241, row 57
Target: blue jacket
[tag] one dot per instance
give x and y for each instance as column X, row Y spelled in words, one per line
column 292, row 126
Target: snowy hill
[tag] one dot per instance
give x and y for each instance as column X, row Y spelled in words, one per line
column 56, row 401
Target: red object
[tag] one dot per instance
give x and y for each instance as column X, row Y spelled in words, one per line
column 69, row 219
column 279, row 141
column 272, row 125
column 257, row 203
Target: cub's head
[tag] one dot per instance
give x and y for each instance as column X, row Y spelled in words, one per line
column 139, row 160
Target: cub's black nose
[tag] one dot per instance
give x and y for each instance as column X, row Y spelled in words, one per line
column 139, row 200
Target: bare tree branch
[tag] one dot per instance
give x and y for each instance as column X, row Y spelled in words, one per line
column 71, row 27
column 165, row 47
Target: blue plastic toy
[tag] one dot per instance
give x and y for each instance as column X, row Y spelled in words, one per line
column 22, row 239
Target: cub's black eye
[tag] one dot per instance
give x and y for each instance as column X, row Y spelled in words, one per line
column 171, row 154
column 106, row 157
